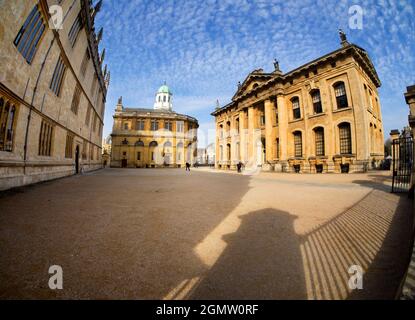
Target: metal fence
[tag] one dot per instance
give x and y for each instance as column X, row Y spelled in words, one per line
column 402, row 161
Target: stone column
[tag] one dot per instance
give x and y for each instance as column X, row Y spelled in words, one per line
column 251, row 137
column 282, row 128
column 217, row 147
column 393, row 136
column 269, row 106
column 242, row 136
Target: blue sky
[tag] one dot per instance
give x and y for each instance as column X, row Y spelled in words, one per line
column 203, row 48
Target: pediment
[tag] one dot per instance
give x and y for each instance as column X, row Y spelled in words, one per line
column 254, row 79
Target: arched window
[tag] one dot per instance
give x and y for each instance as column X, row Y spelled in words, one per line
column 221, row 130
column 345, row 138
column 221, row 152
column 164, row 98
column 4, row 110
column 159, row 98
column 298, row 144
column 319, row 141
column 167, row 144
column 237, row 125
column 341, row 96
column 153, row 144
column 316, row 98
column 296, row 108
column 228, row 126
column 228, row 149
column 139, row 143
column 180, row 145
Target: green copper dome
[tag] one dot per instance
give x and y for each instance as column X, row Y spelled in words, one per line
column 164, row 89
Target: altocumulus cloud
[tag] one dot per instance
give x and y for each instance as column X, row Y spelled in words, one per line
column 203, row 48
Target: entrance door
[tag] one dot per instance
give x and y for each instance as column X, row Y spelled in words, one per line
column 77, row 159
column 124, row 163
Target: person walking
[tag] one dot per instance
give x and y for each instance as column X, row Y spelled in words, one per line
column 187, row 166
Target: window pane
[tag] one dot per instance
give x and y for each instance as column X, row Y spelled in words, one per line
column 341, row 97
column 319, row 136
column 298, row 145
column 29, row 35
column 345, row 139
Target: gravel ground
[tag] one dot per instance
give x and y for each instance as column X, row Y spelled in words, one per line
column 169, row 234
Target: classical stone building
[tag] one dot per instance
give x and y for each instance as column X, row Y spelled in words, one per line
column 106, row 152
column 52, row 91
column 324, row 116
column 149, row 138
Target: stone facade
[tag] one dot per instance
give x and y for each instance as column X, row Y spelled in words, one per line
column 324, row 116
column 153, row 138
column 52, row 92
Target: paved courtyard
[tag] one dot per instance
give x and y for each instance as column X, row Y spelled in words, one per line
column 169, row 234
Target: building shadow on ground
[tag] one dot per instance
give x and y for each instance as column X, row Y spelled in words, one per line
column 383, row 276
column 262, row 260
column 266, row 259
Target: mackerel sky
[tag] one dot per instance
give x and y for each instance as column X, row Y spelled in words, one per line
column 203, row 48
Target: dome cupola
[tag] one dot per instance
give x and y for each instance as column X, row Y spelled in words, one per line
column 163, row 98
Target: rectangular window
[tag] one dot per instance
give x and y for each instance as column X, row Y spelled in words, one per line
column 139, row 156
column 69, row 146
column 94, row 84
column 319, row 136
column 345, row 139
column 296, row 108
column 341, row 97
column 84, row 63
column 277, row 148
column 91, row 151
column 57, row 78
column 45, row 139
column 94, row 127
column 317, row 107
column 75, row 99
column 88, row 114
column 84, row 150
column 126, row 126
column 27, row 39
column 76, row 27
column 262, row 120
column 180, row 126
column 7, row 124
column 168, row 126
column 298, row 145
column 140, row 124
column 154, row 125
